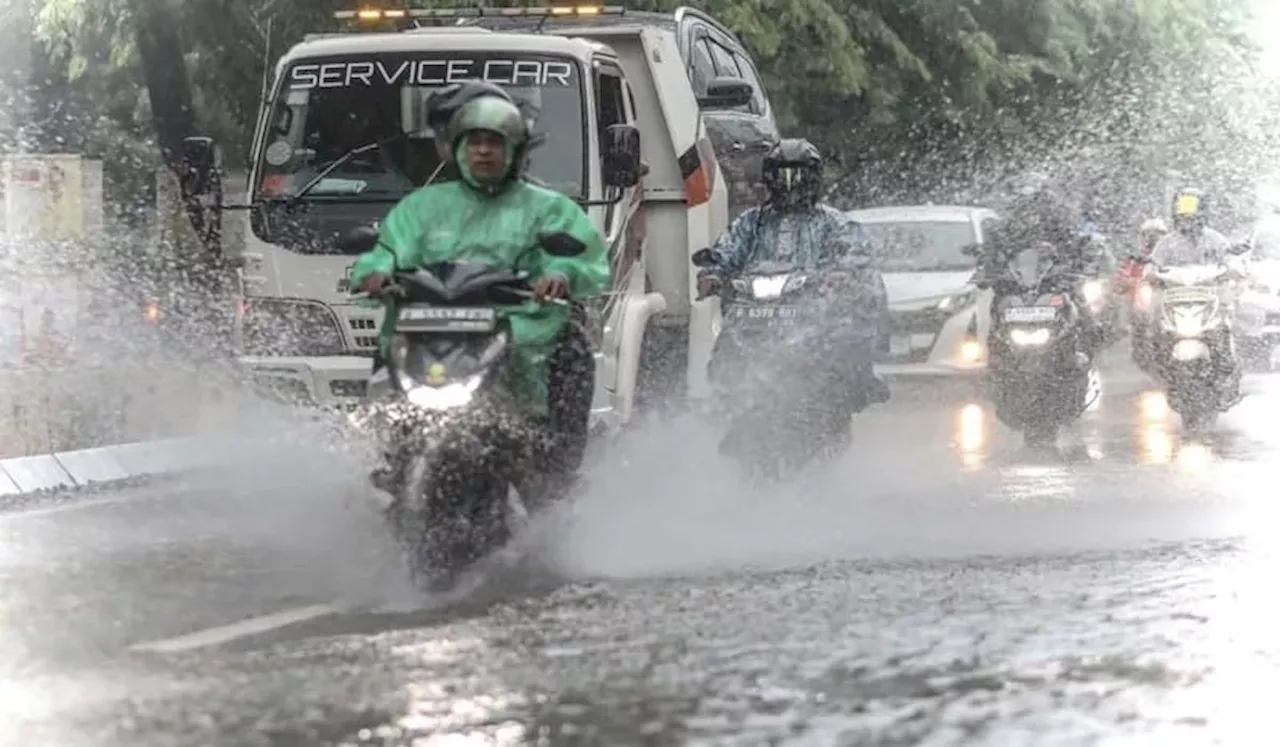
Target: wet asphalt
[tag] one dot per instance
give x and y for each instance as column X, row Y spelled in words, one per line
column 937, row 585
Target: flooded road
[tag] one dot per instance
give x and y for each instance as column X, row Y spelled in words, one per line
column 938, row 585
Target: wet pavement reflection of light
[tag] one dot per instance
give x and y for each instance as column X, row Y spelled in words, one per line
column 972, row 433
column 961, row 590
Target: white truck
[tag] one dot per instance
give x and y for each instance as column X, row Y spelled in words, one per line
column 580, row 87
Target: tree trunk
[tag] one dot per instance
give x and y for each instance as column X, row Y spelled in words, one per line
column 157, row 32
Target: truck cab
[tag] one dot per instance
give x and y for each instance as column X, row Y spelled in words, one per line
column 299, row 333
column 709, row 51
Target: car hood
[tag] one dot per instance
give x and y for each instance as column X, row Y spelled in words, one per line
column 910, row 290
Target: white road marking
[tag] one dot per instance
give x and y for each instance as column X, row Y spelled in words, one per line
column 242, row 629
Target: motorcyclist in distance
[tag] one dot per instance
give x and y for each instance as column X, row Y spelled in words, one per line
column 1152, row 230
column 1192, row 241
column 1040, row 231
column 1129, row 275
column 794, row 225
column 492, row 215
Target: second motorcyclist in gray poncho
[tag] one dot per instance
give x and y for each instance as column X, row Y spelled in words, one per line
column 794, row 226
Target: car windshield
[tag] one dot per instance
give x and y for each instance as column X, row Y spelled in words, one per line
column 922, row 246
column 327, row 106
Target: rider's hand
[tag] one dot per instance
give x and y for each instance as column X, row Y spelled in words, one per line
column 709, row 285
column 373, row 283
column 551, row 287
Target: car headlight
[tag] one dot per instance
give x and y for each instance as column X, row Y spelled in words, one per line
column 957, row 301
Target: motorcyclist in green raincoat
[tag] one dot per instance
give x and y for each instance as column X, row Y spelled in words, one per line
column 494, row 216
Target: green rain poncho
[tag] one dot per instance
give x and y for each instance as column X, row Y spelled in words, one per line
column 460, row 220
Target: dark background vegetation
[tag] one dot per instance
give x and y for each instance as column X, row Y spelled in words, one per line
column 913, row 100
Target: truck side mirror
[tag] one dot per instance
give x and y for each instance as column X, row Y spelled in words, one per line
column 621, row 146
column 726, row 93
column 358, row 240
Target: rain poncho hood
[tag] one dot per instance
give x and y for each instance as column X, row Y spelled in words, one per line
column 457, row 222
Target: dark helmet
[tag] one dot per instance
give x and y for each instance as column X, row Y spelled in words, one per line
column 792, row 173
column 1190, row 210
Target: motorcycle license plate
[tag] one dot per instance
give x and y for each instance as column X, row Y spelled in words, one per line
column 767, row 314
column 1030, row 314
column 445, row 319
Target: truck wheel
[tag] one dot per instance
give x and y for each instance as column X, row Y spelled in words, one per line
column 660, row 380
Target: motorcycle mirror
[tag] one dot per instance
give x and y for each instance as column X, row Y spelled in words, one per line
column 706, row 257
column 971, row 250
column 561, row 244
column 358, row 240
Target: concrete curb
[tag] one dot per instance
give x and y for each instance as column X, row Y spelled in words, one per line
column 102, row 466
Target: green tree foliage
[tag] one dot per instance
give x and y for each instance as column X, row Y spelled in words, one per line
column 911, row 98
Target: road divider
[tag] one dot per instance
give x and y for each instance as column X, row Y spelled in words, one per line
column 104, row 465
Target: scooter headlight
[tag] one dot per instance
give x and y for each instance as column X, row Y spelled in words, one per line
column 448, row 397
column 425, row 384
column 768, row 287
column 1093, row 292
column 1142, row 296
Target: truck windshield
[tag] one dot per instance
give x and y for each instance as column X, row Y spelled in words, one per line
column 325, row 106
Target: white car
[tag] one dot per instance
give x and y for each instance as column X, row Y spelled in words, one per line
column 1258, row 313
column 939, row 319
